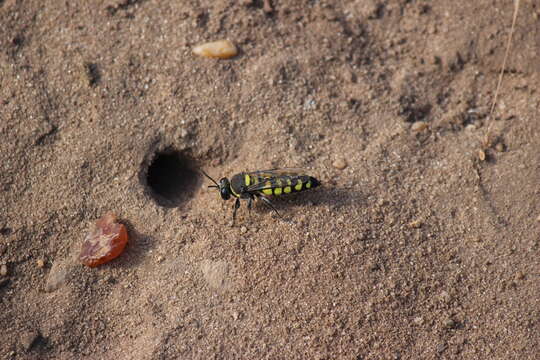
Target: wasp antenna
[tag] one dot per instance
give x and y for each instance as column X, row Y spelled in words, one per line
column 208, row 176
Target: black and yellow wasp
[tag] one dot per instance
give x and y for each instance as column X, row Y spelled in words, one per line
column 259, row 184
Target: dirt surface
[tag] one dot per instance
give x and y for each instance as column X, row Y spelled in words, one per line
column 421, row 243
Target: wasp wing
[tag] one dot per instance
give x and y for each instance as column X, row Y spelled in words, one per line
column 292, row 171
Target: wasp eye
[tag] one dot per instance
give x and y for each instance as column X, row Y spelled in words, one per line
column 225, row 194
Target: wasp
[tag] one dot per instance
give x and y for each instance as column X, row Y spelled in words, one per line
column 261, row 184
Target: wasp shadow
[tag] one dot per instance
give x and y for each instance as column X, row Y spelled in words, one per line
column 335, row 198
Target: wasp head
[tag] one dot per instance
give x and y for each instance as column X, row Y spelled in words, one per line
column 224, row 186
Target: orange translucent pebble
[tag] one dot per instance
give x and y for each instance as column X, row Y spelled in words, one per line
column 104, row 242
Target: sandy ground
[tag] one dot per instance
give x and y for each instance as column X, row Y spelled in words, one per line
column 418, row 249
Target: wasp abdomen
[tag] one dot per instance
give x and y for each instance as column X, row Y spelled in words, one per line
column 289, row 184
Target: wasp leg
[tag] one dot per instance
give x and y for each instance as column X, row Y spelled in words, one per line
column 236, row 206
column 250, row 202
column 267, row 202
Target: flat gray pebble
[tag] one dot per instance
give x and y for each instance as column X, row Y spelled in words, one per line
column 57, row 277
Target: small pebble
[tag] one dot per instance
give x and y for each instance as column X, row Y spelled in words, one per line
column 520, row 276
column 222, row 49
column 382, row 202
column 538, row 218
column 40, row 263
column 243, row 230
column 481, row 155
column 310, row 104
column 444, row 296
column 449, row 323
column 419, row 126
column 499, row 147
column 339, row 164
column 3, row 270
column 350, row 76
column 267, row 7
column 418, row 320
column 160, row 259
column 235, row 315
column 441, row 348
column 415, row 224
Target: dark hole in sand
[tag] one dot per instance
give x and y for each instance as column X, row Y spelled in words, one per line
column 171, row 178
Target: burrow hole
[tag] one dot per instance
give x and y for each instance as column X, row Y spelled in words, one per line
column 171, row 178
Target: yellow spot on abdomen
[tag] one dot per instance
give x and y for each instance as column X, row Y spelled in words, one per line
column 277, row 191
column 287, row 190
column 308, row 184
column 247, row 179
column 298, row 185
column 268, row 191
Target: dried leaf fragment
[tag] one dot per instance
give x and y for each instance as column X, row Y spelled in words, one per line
column 105, row 241
column 222, row 49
